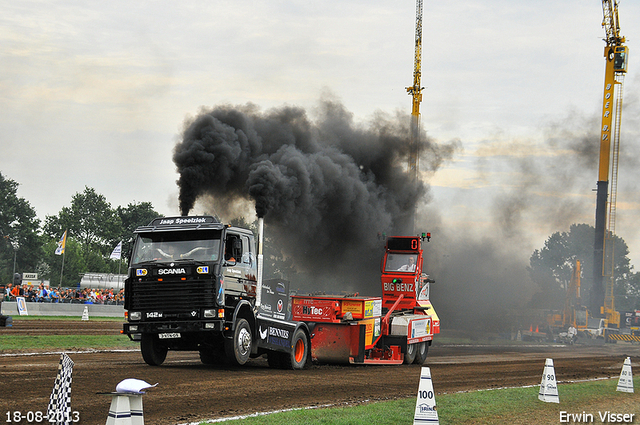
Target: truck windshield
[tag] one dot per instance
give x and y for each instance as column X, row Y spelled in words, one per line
column 162, row 246
column 400, row 263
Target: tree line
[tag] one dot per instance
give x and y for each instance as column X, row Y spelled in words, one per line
column 93, row 227
column 551, row 266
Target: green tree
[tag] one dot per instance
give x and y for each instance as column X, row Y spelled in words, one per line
column 551, row 266
column 74, row 263
column 94, row 229
column 19, row 239
column 132, row 216
column 90, row 220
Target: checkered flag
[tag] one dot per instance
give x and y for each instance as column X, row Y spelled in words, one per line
column 59, row 409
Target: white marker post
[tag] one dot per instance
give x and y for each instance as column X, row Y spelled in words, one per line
column 426, row 412
column 85, row 313
column 549, row 386
column 126, row 403
column 625, row 383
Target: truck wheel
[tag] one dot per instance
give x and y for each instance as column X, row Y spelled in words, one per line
column 238, row 348
column 421, row 353
column 410, row 355
column 297, row 359
column 153, row 352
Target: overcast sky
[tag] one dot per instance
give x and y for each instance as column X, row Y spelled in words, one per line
column 95, row 94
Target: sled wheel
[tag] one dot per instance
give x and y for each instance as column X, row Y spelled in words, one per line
column 238, row 349
column 153, row 352
column 421, row 353
column 410, row 355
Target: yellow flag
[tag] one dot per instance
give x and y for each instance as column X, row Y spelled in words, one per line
column 61, row 243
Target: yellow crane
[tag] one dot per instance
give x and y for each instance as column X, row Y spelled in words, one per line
column 615, row 53
column 416, row 93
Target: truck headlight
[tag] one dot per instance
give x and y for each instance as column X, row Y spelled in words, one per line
column 133, row 328
column 210, row 313
column 135, row 315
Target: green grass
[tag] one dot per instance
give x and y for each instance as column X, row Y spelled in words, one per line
column 496, row 407
column 64, row 342
column 94, row 318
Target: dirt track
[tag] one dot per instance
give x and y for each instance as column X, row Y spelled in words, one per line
column 189, row 391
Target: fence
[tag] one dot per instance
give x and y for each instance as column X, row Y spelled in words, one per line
column 10, row 308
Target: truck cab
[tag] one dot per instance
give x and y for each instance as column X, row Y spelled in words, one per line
column 189, row 280
column 194, row 284
column 412, row 320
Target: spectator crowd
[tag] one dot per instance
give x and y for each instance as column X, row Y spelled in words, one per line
column 41, row 293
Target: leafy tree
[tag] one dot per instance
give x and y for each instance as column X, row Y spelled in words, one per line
column 132, row 216
column 74, row 263
column 19, row 239
column 90, row 220
column 94, row 228
column 551, row 266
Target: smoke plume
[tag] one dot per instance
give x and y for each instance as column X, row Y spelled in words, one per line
column 325, row 187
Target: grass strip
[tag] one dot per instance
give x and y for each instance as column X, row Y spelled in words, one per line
column 495, row 407
column 70, row 318
column 64, row 342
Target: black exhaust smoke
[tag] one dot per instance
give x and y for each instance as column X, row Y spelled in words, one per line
column 325, row 187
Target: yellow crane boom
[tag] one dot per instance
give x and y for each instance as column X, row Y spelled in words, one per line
column 416, row 93
column 615, row 54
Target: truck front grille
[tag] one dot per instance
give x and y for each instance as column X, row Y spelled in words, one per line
column 173, row 295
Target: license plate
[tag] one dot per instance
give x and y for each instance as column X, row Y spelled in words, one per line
column 170, row 335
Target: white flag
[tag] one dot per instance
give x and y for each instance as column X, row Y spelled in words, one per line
column 115, row 254
column 61, row 243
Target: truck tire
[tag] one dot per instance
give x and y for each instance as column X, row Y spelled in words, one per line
column 238, row 348
column 153, row 352
column 410, row 355
column 421, row 353
column 297, row 358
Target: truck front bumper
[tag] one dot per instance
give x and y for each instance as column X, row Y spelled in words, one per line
column 133, row 328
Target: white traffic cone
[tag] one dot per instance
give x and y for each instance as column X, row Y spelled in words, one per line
column 126, row 403
column 625, row 383
column 426, row 401
column 120, row 410
column 126, row 409
column 549, row 386
column 85, row 313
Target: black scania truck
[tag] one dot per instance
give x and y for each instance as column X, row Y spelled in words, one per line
column 194, row 284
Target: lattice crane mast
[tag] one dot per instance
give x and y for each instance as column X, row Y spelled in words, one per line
column 416, row 93
column 615, row 54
